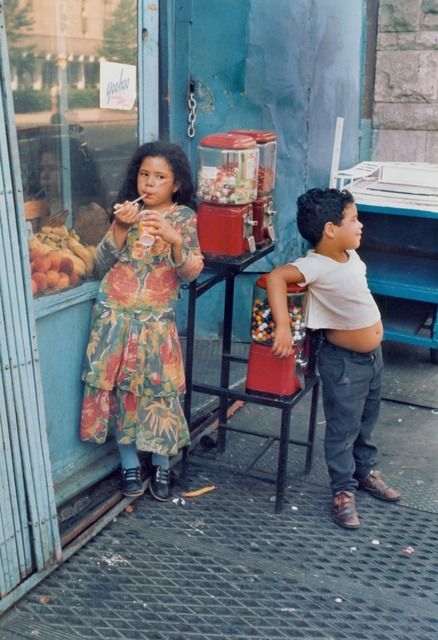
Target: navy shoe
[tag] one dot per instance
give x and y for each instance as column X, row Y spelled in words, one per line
column 130, row 484
column 160, row 484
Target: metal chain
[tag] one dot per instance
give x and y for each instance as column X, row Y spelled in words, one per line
column 191, row 103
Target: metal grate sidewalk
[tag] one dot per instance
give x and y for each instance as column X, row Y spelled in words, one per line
column 224, row 566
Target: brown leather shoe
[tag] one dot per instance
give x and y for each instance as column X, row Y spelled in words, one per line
column 374, row 484
column 344, row 510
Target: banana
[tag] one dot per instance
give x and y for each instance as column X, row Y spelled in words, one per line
column 35, row 243
column 79, row 265
column 50, row 236
column 72, row 233
column 60, row 231
column 50, row 244
column 82, row 252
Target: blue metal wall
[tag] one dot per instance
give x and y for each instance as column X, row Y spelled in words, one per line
column 63, row 337
column 336, row 84
column 292, row 67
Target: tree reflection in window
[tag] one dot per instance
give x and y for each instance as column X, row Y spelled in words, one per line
column 120, row 36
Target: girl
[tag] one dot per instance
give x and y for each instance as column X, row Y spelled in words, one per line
column 133, row 370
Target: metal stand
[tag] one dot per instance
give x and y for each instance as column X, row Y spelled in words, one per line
column 226, row 271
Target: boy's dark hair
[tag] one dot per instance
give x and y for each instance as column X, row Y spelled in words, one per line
column 318, row 206
column 177, row 159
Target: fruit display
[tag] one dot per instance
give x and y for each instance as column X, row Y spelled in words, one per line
column 58, row 259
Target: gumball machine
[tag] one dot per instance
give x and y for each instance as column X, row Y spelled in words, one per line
column 227, row 185
column 262, row 212
column 263, row 206
column 267, row 374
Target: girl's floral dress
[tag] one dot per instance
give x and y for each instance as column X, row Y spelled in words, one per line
column 133, row 370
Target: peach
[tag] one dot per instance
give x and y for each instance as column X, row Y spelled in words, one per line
column 66, row 265
column 74, row 278
column 52, row 278
column 55, row 260
column 34, row 287
column 64, row 281
column 37, row 252
column 41, row 264
column 40, row 279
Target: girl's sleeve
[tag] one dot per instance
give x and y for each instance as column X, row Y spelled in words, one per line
column 192, row 261
column 107, row 253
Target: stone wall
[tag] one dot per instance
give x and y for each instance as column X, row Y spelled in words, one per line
column 405, row 117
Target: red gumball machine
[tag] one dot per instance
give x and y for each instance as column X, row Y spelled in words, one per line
column 225, row 230
column 227, row 185
column 267, row 374
column 262, row 212
column 263, row 206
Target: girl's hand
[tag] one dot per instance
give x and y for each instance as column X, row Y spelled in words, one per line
column 282, row 347
column 159, row 226
column 126, row 214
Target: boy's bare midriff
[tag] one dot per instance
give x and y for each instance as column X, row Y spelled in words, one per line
column 366, row 339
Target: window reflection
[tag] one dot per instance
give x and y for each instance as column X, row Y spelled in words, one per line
column 72, row 153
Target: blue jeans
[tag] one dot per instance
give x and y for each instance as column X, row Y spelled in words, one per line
column 351, row 392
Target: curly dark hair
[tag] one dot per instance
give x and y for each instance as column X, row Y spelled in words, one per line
column 177, row 159
column 318, row 206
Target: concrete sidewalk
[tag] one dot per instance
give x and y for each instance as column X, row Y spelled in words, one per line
column 223, row 565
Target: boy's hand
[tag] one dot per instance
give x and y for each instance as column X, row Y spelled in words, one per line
column 282, row 347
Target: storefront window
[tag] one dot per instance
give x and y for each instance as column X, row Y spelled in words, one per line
column 72, row 152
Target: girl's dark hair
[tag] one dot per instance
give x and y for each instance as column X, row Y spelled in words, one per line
column 318, row 206
column 179, row 163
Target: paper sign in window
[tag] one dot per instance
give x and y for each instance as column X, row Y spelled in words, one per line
column 117, row 85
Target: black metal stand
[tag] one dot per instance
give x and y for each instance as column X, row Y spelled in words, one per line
column 226, row 271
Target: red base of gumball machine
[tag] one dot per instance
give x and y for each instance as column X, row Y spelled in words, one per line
column 269, row 375
column 222, row 230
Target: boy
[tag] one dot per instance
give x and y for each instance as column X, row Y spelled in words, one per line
column 350, row 358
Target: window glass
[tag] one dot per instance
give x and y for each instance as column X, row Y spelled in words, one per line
column 72, row 152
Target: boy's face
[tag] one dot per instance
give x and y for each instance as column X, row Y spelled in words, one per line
column 348, row 234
